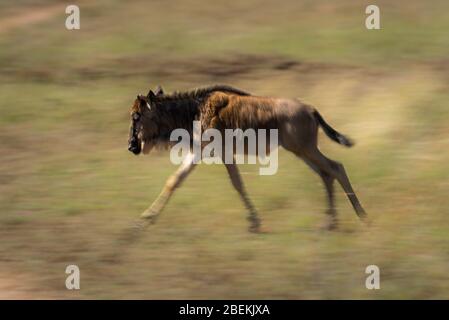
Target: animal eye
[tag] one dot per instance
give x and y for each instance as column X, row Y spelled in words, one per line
column 136, row 116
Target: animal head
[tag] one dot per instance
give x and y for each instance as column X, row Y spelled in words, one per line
column 143, row 128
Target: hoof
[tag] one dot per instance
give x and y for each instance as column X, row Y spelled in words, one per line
column 144, row 221
column 259, row 230
column 361, row 212
column 140, row 224
column 254, row 228
column 330, row 224
column 149, row 216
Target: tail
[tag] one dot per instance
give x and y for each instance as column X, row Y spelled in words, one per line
column 331, row 132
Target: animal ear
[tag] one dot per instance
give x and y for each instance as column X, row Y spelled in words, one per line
column 151, row 95
column 158, row 91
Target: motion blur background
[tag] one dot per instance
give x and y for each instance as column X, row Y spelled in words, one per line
column 69, row 187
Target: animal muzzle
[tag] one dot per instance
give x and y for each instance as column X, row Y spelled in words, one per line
column 134, row 146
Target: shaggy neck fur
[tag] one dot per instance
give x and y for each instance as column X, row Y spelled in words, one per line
column 180, row 109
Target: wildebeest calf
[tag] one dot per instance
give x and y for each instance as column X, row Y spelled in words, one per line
column 156, row 115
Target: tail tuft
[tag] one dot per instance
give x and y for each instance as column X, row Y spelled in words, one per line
column 345, row 141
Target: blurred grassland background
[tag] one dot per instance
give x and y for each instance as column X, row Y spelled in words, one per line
column 69, row 187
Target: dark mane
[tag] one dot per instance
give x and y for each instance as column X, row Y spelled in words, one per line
column 180, row 109
column 201, row 93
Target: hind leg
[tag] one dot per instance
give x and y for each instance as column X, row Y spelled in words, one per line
column 344, row 181
column 328, row 181
column 337, row 171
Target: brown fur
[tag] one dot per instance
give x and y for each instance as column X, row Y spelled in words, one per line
column 223, row 107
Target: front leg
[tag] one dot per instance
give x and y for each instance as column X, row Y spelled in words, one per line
column 172, row 183
column 236, row 180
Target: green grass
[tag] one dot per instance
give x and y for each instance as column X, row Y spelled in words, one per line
column 69, row 189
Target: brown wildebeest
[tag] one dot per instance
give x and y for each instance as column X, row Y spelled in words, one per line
column 156, row 115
